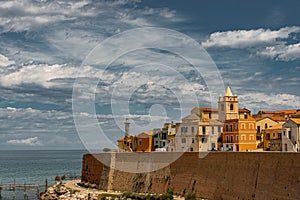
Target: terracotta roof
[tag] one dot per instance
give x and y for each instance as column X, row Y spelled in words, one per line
column 297, row 113
column 277, row 126
column 244, row 110
column 295, row 120
column 208, row 109
column 274, row 118
column 145, row 134
column 287, row 111
column 278, row 119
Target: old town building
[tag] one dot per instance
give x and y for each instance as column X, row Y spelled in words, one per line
column 239, row 128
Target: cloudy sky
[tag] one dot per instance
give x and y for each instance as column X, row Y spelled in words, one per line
column 46, row 46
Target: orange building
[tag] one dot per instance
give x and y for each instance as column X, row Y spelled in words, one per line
column 145, row 142
column 239, row 134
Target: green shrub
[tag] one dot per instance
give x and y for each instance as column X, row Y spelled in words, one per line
column 190, row 197
column 127, row 194
column 166, row 197
column 170, row 191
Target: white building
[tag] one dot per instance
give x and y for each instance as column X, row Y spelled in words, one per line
column 291, row 135
column 199, row 131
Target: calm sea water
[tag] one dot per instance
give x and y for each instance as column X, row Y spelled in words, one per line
column 35, row 167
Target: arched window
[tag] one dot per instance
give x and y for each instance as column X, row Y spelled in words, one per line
column 231, row 106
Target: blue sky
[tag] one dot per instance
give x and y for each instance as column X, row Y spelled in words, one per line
column 255, row 46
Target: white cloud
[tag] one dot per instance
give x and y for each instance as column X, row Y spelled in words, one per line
column 248, row 38
column 24, row 15
column 34, row 141
column 43, row 74
column 282, row 52
column 258, row 101
column 4, row 61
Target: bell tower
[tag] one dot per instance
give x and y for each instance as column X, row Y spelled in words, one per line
column 228, row 106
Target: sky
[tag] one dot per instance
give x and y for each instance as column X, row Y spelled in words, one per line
column 131, row 58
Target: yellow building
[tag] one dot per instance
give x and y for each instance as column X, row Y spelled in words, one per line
column 239, row 134
column 273, row 138
column 127, row 144
column 264, row 123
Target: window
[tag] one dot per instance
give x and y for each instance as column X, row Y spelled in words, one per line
column 231, row 106
column 283, row 133
column 246, row 116
column 258, row 129
column 204, row 140
column 227, row 138
column 213, row 145
column 243, row 137
column 267, row 136
column 226, row 128
column 237, row 138
column 274, row 135
column 193, row 140
column 191, row 149
column 183, row 140
column 184, row 129
column 140, row 142
column 193, row 129
column 237, row 126
column 219, row 129
column 266, row 125
column 203, row 130
column 164, row 144
column 243, row 126
column 251, row 126
column 209, row 115
column 279, row 135
column 212, row 130
column 251, row 137
column 231, row 139
column 231, row 128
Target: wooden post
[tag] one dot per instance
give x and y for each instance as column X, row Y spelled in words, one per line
column 46, row 185
column 38, row 191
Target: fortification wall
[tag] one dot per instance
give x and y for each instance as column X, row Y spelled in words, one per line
column 218, row 175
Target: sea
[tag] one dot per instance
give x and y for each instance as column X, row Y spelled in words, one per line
column 35, row 167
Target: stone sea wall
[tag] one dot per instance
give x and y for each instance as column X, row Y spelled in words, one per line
column 217, row 175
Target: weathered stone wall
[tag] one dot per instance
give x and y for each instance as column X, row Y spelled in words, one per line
column 219, row 175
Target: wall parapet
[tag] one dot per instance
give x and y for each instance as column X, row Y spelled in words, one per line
column 218, row 175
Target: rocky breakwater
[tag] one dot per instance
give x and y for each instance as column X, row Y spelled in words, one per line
column 70, row 190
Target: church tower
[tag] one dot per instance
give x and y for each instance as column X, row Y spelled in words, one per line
column 228, row 106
